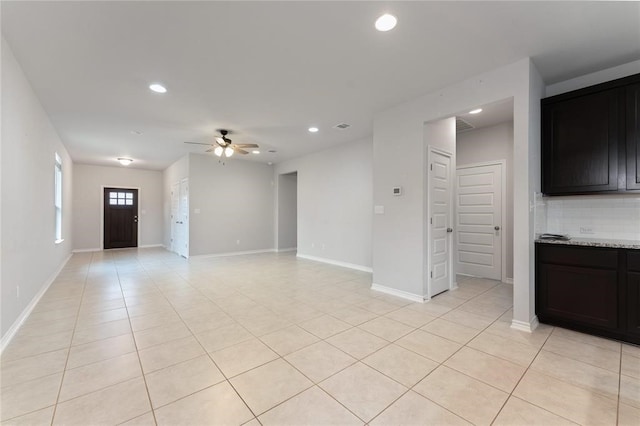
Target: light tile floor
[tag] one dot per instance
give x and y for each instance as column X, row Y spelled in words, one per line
column 146, row 337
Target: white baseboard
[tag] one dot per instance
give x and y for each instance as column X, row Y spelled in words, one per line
column 151, row 245
column 335, row 262
column 525, row 326
column 86, row 250
column 508, row 281
column 8, row 336
column 287, row 249
column 398, row 293
column 233, row 253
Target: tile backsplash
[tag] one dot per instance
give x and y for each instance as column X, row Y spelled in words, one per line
column 590, row 216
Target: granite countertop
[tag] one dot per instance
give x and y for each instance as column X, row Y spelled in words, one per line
column 594, row 242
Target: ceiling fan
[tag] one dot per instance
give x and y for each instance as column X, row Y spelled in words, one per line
column 223, row 146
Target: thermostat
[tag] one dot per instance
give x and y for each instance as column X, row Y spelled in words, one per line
column 397, row 190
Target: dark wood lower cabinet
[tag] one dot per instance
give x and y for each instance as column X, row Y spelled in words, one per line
column 589, row 289
column 633, row 292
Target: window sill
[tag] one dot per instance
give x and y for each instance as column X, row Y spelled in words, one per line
column 59, row 241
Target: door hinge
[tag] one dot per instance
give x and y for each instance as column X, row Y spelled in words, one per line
column 431, row 220
column 431, row 167
column 431, row 274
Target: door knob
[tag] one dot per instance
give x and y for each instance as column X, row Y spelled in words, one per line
column 497, row 228
column 449, row 229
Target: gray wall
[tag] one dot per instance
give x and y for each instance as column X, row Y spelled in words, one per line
column 287, row 212
column 489, row 144
column 335, row 203
column 236, row 203
column 398, row 235
column 30, row 258
column 88, row 183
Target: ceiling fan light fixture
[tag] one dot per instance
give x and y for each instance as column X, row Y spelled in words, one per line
column 475, row 111
column 228, row 151
column 218, row 151
column 125, row 161
column 220, row 140
column 255, row 151
column 386, row 22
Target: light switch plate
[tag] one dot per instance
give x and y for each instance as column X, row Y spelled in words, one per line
column 378, row 209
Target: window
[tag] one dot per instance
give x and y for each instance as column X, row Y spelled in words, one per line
column 58, row 198
column 120, row 198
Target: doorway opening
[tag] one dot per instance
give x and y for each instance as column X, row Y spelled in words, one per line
column 120, row 218
column 287, row 238
column 480, row 241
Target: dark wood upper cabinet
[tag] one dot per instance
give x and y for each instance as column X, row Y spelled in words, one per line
column 633, row 136
column 590, row 139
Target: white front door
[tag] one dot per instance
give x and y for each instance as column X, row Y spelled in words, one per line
column 479, row 221
column 439, row 223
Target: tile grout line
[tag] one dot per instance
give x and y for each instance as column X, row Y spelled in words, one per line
column 144, row 378
column 84, row 286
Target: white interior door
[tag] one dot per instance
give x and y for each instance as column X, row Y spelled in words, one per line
column 182, row 222
column 439, row 223
column 175, row 211
column 479, row 221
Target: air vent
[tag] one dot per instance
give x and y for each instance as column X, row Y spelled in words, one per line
column 463, row 126
column 342, row 126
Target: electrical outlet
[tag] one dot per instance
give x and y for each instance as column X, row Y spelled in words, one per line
column 586, row 230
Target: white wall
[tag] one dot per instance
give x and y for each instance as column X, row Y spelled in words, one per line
column 170, row 176
column 88, row 183
column 287, row 212
column 490, row 144
column 597, row 77
column 335, row 203
column 398, row 235
column 236, row 203
column 30, row 258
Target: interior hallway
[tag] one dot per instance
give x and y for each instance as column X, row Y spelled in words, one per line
column 142, row 336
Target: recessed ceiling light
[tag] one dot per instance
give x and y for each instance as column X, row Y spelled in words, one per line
column 158, row 88
column 386, row 22
column 475, row 111
column 313, row 129
column 125, row 161
column 255, row 151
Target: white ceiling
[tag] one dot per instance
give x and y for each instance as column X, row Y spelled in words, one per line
column 269, row 70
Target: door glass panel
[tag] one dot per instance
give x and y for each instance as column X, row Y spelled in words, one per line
column 121, row 195
column 129, row 202
column 113, row 201
column 120, row 202
column 129, row 195
column 113, row 195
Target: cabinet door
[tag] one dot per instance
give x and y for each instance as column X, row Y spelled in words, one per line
column 633, row 136
column 582, row 295
column 580, row 140
column 633, row 303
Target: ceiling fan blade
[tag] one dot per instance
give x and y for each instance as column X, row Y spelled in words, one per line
column 199, row 143
column 240, row 150
column 247, row 145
